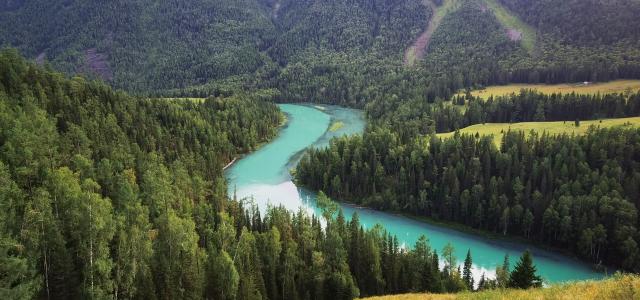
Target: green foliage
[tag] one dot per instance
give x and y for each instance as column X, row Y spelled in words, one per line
column 466, row 271
column 541, row 187
column 323, row 51
column 103, row 194
column 581, row 22
column 524, row 274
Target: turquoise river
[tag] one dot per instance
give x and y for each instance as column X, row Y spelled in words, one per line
column 264, row 176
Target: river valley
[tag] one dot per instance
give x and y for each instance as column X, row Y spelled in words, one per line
column 265, row 176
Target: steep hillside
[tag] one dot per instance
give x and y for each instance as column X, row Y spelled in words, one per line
column 515, row 29
column 581, row 22
column 329, row 50
column 146, row 45
column 358, row 28
column 142, row 44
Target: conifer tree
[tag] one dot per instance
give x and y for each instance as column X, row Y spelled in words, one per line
column 524, row 274
column 466, row 271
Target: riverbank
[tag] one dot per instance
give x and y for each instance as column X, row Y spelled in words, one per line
column 283, row 122
column 488, row 235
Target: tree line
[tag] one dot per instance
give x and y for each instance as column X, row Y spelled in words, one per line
column 578, row 193
column 414, row 118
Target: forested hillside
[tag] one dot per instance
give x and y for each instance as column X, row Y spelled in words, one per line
column 307, row 50
column 142, row 45
column 581, row 22
column 105, row 194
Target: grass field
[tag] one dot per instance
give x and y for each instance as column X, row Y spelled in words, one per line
column 618, row 287
column 617, row 86
column 511, row 22
column 498, row 129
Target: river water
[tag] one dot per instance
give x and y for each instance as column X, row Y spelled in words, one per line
column 265, row 176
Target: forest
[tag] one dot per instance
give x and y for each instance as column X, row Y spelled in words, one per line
column 320, row 51
column 414, row 118
column 578, row 193
column 107, row 196
column 111, row 176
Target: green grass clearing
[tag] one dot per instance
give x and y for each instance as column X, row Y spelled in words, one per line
column 617, row 86
column 555, row 128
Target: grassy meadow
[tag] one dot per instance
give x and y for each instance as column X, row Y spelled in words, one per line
column 560, row 127
column 617, row 287
column 617, row 86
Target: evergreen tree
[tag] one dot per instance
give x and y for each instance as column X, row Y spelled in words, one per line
column 524, row 274
column 467, row 276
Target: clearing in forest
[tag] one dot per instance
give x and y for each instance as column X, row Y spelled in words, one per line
column 611, row 87
column 554, row 128
column 419, row 48
column 515, row 29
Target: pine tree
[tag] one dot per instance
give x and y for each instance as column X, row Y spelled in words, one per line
column 524, row 274
column 467, row 277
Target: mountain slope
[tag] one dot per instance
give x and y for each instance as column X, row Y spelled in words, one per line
column 514, row 27
column 144, row 44
column 170, row 46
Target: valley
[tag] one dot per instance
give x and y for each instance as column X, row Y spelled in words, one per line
column 263, row 177
column 319, row 150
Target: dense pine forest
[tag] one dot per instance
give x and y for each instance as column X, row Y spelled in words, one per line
column 574, row 192
column 117, row 118
column 109, row 196
column 322, row 51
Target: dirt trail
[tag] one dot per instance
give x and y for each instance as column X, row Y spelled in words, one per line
column 419, row 48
